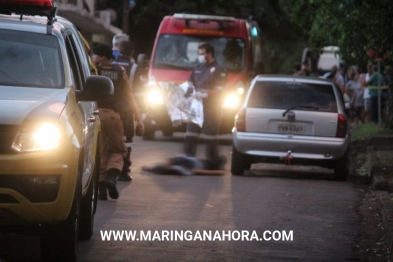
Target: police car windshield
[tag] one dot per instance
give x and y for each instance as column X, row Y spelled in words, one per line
column 30, row 61
column 181, row 52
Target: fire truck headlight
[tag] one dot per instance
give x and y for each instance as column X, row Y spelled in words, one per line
column 154, row 97
column 231, row 101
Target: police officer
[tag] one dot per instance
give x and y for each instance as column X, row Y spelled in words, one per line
column 112, row 146
column 126, row 49
column 209, row 79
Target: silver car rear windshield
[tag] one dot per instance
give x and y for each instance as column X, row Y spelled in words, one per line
column 285, row 95
column 30, row 59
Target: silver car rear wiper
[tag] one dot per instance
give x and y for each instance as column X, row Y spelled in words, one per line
column 293, row 107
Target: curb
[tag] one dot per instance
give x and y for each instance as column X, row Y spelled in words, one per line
column 385, row 209
column 382, row 184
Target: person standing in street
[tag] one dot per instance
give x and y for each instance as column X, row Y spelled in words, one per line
column 208, row 78
column 297, row 70
column 112, row 144
column 116, row 40
column 125, row 59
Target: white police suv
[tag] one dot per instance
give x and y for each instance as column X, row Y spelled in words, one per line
column 49, row 128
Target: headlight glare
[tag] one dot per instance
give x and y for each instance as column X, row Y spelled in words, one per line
column 154, row 97
column 44, row 136
column 240, row 90
column 231, row 101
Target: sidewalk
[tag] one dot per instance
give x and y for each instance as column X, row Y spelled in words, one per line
column 380, row 159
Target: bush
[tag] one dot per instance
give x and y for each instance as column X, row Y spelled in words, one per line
column 367, row 130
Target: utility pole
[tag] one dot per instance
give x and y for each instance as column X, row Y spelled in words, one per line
column 128, row 5
column 126, row 15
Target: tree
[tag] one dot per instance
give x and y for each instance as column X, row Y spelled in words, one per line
column 362, row 30
column 356, row 26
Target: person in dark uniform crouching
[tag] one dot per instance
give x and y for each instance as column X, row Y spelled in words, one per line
column 112, row 142
column 208, row 78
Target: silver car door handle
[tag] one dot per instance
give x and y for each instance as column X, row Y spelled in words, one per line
column 92, row 119
column 96, row 112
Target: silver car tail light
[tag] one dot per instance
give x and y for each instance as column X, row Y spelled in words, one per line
column 342, row 126
column 240, row 120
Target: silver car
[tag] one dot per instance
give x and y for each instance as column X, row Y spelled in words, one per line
column 292, row 120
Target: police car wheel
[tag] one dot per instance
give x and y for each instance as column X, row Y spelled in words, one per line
column 59, row 241
column 240, row 163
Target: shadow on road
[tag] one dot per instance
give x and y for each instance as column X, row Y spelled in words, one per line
column 225, row 139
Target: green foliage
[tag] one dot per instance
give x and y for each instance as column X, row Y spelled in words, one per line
column 366, row 131
column 356, row 26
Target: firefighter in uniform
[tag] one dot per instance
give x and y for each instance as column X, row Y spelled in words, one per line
column 208, row 78
column 112, row 141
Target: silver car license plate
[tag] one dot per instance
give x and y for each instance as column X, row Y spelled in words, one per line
column 290, row 128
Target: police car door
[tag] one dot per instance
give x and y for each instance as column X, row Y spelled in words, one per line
column 88, row 110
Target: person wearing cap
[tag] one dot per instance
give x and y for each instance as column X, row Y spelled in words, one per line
column 112, row 142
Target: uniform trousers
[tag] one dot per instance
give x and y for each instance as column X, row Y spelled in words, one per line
column 112, row 142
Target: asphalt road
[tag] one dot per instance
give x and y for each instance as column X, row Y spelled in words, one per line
column 320, row 213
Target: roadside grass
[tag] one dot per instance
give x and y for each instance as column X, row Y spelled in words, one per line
column 360, row 137
column 366, row 131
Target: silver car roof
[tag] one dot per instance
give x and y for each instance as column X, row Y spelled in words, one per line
column 302, row 79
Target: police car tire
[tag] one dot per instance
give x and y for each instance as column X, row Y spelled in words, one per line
column 59, row 241
column 239, row 163
column 89, row 204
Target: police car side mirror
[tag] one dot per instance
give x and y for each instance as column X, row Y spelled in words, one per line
column 96, row 88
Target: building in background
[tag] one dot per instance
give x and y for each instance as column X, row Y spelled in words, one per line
column 94, row 25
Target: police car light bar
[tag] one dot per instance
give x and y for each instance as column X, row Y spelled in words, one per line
column 204, row 17
column 222, row 21
column 29, row 7
column 26, row 4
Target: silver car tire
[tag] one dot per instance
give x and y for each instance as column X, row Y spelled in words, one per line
column 341, row 168
column 239, row 163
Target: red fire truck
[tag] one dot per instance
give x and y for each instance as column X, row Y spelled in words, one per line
column 237, row 44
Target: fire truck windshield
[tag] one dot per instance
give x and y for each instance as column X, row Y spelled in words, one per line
column 180, row 52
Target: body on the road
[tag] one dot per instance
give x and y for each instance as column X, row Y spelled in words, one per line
column 185, row 165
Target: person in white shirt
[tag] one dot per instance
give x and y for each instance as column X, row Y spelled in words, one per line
column 366, row 95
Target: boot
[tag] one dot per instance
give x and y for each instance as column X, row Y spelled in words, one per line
column 111, row 183
column 102, row 191
column 126, row 168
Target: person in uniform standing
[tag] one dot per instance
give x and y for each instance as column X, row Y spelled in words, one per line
column 208, row 78
column 125, row 59
column 112, row 142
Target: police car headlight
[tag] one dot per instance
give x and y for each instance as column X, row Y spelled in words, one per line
column 240, row 90
column 45, row 136
column 154, row 97
column 231, row 101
